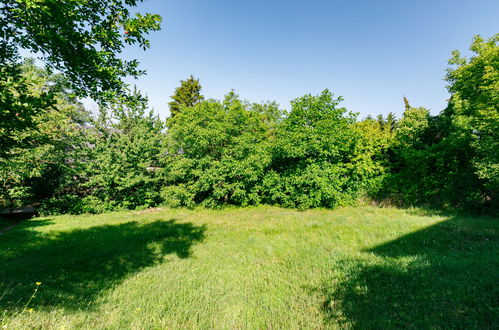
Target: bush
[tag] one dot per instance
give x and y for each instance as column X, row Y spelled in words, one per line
column 73, row 204
column 319, row 157
column 217, row 154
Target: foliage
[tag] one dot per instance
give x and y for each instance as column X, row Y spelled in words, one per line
column 115, row 165
column 451, row 159
column 318, row 160
column 371, row 154
column 230, row 152
column 187, row 95
column 389, row 123
column 217, row 154
column 80, row 38
column 21, row 99
column 121, row 158
column 40, row 117
column 35, row 143
column 474, row 109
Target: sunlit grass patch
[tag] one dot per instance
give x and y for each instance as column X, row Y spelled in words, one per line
column 260, row 267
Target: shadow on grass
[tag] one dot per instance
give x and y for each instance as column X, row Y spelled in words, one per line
column 444, row 276
column 76, row 266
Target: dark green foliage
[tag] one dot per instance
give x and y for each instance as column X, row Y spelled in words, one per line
column 389, row 123
column 451, row 159
column 430, row 165
column 187, row 95
column 473, row 111
column 125, row 157
column 407, row 106
column 232, row 153
column 381, row 121
column 21, row 99
column 119, row 164
column 41, row 121
column 35, row 141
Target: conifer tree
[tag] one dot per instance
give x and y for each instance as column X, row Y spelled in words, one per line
column 391, row 122
column 187, row 94
column 406, row 103
column 381, row 121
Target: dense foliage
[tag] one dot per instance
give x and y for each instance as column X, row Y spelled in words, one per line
column 315, row 156
column 41, row 121
column 217, row 154
column 187, row 95
column 233, row 152
column 34, row 144
column 452, row 159
column 80, row 38
column 115, row 164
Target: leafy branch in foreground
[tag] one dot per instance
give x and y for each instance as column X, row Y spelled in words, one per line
column 80, row 38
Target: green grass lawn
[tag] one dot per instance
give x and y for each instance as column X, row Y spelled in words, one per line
column 255, row 268
column 4, row 223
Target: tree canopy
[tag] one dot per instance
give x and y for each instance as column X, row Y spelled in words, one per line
column 233, row 152
column 80, row 38
column 473, row 110
column 186, row 95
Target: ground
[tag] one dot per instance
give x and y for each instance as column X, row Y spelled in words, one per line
column 261, row 267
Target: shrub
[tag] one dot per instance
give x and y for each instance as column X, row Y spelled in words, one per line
column 217, row 154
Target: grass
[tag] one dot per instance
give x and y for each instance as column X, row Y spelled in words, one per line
column 5, row 223
column 254, row 268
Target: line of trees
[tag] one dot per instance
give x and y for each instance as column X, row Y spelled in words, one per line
column 222, row 152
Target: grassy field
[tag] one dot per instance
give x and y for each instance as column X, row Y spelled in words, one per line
column 254, row 268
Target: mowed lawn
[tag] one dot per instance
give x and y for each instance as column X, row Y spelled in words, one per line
column 254, row 268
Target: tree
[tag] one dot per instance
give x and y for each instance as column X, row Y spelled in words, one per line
column 36, row 143
column 381, row 121
column 431, row 163
column 473, row 111
column 387, row 124
column 418, row 173
column 391, row 122
column 39, row 112
column 187, row 95
column 80, row 38
column 23, row 96
column 369, row 161
column 118, row 166
column 313, row 163
column 412, row 126
column 218, row 153
column 272, row 114
column 407, row 106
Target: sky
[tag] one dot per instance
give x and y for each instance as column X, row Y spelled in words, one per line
column 372, row 53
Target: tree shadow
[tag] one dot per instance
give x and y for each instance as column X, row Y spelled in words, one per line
column 75, row 267
column 444, row 276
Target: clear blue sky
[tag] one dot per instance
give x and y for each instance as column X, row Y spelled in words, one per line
column 370, row 52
